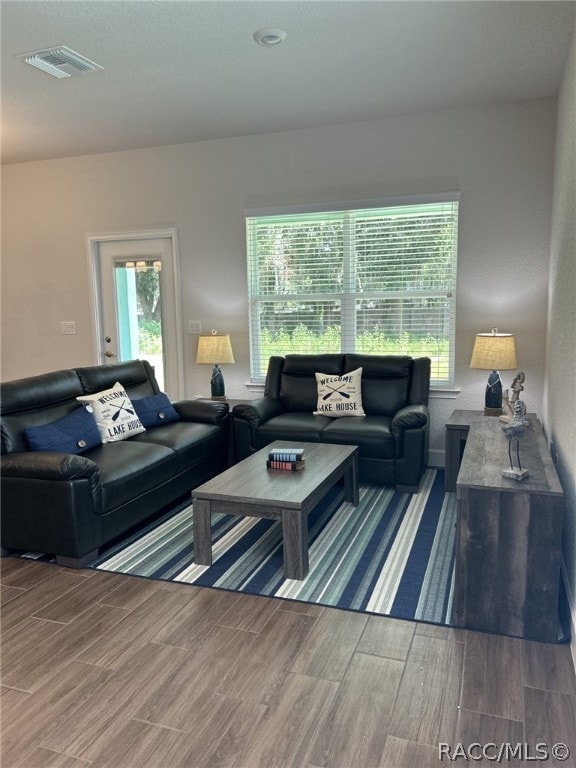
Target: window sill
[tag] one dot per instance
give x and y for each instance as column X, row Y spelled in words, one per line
column 442, row 393
column 254, row 386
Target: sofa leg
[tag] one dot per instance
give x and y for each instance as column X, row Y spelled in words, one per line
column 77, row 562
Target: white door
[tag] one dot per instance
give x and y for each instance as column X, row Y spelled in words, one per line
column 135, row 300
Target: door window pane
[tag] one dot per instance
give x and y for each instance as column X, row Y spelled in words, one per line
column 139, row 313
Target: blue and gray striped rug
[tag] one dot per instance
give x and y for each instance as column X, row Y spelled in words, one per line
column 392, row 555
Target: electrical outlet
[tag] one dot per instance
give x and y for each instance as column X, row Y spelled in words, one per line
column 68, row 327
column 194, row 326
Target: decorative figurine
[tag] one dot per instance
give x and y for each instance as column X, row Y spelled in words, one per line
column 514, row 431
column 510, row 397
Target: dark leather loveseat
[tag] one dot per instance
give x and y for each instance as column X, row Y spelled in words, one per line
column 392, row 437
column 70, row 505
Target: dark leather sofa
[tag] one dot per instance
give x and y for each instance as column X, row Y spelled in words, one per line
column 71, row 505
column 392, row 437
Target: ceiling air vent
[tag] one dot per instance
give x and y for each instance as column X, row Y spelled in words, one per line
column 60, row 62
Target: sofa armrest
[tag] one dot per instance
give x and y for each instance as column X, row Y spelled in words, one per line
column 258, row 411
column 204, row 411
column 410, row 417
column 411, row 436
column 48, row 465
column 247, row 418
column 51, row 502
column 52, row 466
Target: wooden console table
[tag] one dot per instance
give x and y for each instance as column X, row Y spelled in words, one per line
column 508, row 537
column 457, row 428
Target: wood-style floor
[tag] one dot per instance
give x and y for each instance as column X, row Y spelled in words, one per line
column 102, row 670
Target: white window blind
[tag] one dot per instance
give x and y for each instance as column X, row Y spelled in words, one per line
column 370, row 280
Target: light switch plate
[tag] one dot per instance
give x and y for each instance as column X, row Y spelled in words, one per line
column 194, row 326
column 68, row 327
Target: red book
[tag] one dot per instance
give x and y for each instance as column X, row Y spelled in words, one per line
column 286, row 466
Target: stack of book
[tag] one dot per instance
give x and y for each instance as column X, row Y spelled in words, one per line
column 287, row 459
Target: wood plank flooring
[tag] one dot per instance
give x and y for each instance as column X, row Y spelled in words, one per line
column 108, row 671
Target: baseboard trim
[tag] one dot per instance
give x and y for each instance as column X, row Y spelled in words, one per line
column 572, row 608
column 436, row 458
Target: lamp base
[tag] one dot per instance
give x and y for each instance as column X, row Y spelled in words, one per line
column 217, row 383
column 493, row 398
column 219, row 397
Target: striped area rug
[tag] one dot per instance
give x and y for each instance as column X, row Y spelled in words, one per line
column 392, row 555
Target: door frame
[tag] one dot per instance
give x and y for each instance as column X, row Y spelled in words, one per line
column 171, row 299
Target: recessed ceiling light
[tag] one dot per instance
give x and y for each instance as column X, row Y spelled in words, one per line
column 270, row 36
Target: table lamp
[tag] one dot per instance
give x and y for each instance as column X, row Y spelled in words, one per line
column 215, row 349
column 494, row 352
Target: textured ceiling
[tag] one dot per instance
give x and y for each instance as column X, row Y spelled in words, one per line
column 186, row 71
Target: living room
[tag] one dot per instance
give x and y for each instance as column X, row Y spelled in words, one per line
column 511, row 158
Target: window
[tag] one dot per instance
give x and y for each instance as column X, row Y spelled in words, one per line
column 374, row 280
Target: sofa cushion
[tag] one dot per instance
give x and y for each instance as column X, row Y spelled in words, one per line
column 128, row 469
column 114, row 413
column 298, row 391
column 136, row 376
column 339, row 396
column 385, row 381
column 371, row 434
column 292, row 426
column 33, row 401
column 155, row 410
column 74, row 433
column 191, row 442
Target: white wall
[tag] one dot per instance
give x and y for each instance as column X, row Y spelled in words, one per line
column 560, row 388
column 499, row 158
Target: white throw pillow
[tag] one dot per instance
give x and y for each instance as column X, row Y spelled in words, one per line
column 114, row 413
column 339, row 395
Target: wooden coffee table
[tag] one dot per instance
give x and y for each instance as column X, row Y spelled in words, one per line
column 250, row 489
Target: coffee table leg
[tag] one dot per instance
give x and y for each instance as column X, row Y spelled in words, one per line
column 351, row 492
column 295, row 543
column 202, row 532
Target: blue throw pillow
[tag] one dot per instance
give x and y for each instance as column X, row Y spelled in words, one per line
column 74, row 433
column 154, row 411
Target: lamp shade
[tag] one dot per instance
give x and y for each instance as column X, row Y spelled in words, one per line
column 494, row 351
column 215, row 349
